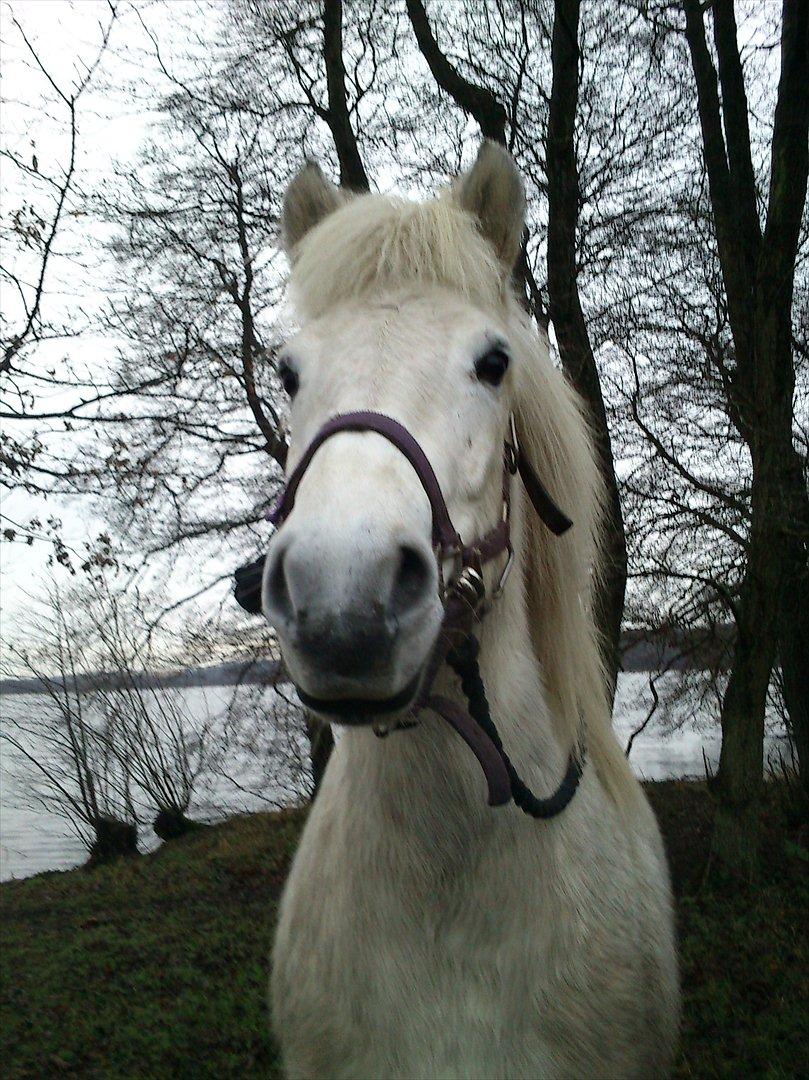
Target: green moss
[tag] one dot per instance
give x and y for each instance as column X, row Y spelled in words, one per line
column 157, row 967
column 743, row 949
column 147, row 968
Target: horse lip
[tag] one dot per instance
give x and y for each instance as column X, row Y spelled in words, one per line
column 354, row 710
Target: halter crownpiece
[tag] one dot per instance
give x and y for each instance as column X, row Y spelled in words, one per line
column 463, row 597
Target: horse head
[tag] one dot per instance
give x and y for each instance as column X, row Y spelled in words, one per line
column 353, row 582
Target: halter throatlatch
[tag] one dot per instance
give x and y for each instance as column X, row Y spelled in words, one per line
column 463, row 596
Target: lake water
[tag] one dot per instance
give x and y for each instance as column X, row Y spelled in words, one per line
column 271, row 773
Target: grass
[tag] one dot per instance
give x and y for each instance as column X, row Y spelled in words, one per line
column 157, row 967
column 743, row 949
column 148, row 968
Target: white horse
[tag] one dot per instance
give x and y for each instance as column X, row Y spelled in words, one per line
column 423, row 933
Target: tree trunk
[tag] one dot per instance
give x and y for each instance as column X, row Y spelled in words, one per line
column 794, row 616
column 338, row 117
column 739, row 780
column 113, row 840
column 765, row 402
column 758, row 271
column 171, row 823
column 321, row 744
column 568, row 319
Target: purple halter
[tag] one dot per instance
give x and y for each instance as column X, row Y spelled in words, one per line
column 446, row 539
column 464, row 597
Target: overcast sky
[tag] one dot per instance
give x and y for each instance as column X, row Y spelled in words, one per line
column 114, row 120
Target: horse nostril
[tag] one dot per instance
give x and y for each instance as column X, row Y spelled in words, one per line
column 413, row 579
column 278, row 599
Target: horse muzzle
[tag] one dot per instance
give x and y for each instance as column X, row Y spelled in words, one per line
column 357, row 616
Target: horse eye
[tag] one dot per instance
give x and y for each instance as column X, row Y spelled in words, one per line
column 289, row 377
column 492, row 366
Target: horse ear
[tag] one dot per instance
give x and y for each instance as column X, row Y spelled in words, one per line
column 308, row 199
column 492, row 191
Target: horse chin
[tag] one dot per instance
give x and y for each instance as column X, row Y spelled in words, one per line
column 356, row 711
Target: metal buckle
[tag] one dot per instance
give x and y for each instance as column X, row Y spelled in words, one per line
column 498, row 589
column 382, row 730
column 512, row 447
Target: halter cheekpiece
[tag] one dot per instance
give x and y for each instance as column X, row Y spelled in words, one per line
column 463, row 595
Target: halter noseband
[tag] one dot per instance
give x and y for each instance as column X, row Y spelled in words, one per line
column 463, row 597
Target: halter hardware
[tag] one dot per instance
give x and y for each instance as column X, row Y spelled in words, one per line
column 497, row 592
column 470, row 587
column 464, row 600
column 512, row 447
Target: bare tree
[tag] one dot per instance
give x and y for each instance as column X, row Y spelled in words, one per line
column 170, row 745
column 758, row 269
column 34, row 225
column 67, row 755
column 566, row 311
column 112, row 738
column 271, row 742
column 42, row 195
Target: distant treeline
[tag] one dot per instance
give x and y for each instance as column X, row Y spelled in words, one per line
column 699, row 648
column 230, row 673
column 639, row 650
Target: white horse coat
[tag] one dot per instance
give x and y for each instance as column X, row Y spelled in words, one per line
column 421, row 932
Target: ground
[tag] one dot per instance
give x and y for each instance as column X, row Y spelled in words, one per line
column 156, row 967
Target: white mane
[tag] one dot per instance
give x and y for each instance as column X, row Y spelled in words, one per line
column 377, row 243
